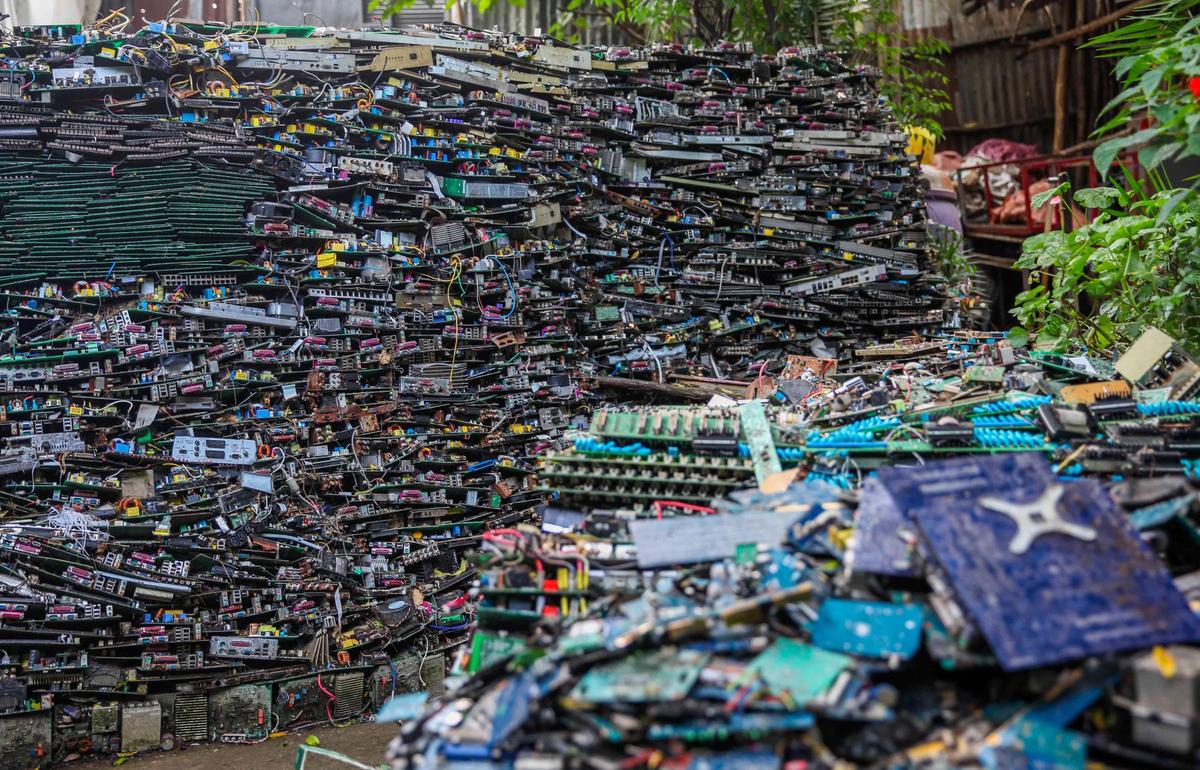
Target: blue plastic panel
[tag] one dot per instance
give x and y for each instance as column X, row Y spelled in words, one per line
column 1040, row 594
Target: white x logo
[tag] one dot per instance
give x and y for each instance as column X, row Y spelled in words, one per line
column 1037, row 518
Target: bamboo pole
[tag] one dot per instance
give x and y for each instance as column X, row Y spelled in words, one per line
column 1061, row 75
column 1079, row 82
column 1086, row 29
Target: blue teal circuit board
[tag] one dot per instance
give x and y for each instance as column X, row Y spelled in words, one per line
column 1049, row 570
column 879, row 545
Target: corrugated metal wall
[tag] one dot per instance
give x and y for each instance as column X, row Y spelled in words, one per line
column 422, row 12
column 998, row 94
column 998, row 87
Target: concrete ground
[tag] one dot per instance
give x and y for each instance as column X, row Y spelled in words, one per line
column 365, row 742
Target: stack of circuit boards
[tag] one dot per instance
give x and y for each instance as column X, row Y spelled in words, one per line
column 689, row 215
column 946, row 554
column 323, row 347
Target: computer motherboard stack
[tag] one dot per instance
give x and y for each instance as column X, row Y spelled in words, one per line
column 292, row 316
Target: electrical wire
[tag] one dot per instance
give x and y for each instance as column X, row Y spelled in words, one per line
column 511, row 288
column 456, row 274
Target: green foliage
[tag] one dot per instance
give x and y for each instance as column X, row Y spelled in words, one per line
column 1136, row 264
column 913, row 78
column 640, row 21
column 1158, row 55
column 948, row 255
column 767, row 24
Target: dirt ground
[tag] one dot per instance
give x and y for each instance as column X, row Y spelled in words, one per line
column 364, row 742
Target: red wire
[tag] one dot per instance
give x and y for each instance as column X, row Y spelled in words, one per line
column 659, row 505
column 503, row 531
column 332, row 698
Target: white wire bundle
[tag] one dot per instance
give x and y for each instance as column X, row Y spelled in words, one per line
column 78, row 526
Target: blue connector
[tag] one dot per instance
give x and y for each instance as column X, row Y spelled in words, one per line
column 1007, row 439
column 1014, row 405
column 1168, row 408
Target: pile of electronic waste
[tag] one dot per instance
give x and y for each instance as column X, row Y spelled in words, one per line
column 302, row 327
column 292, row 315
column 953, row 555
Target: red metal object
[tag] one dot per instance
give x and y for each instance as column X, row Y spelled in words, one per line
column 1032, row 170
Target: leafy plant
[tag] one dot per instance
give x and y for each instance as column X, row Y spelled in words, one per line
column 642, row 22
column 913, row 77
column 1136, row 264
column 767, row 24
column 1158, row 66
column 949, row 258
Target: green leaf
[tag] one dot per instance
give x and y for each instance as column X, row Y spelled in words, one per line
column 1030, row 293
column 1124, row 65
column 1106, row 153
column 1018, row 337
column 1042, row 198
column 1096, row 197
column 1167, row 115
column 1172, row 203
column 1049, row 339
column 1076, row 266
column 1193, row 142
column 1113, row 123
column 1153, row 155
column 1151, row 80
column 1054, row 239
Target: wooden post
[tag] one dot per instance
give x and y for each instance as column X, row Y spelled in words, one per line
column 1083, row 117
column 1060, row 83
column 1095, row 25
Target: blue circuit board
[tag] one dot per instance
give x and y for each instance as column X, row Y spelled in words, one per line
column 662, row 675
column 1049, row 571
column 883, row 531
column 869, row 629
column 879, row 544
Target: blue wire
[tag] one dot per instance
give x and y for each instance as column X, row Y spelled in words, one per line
column 722, row 72
column 511, row 288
